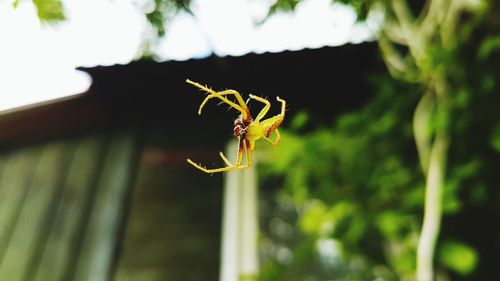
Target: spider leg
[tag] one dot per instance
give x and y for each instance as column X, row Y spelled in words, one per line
column 244, row 110
column 239, row 156
column 271, row 124
column 264, row 110
column 283, row 106
column 275, row 120
column 228, row 163
column 241, row 103
column 241, row 147
column 249, row 154
column 276, row 141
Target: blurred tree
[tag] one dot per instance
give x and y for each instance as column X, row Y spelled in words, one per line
column 48, row 11
column 364, row 163
column 157, row 13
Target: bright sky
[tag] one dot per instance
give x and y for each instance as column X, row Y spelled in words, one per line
column 37, row 62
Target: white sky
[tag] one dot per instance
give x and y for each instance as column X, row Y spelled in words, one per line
column 37, row 62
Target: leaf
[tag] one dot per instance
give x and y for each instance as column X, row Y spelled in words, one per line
column 495, row 138
column 299, row 120
column 50, row 10
column 458, row 257
column 488, row 46
column 389, row 223
column 316, row 219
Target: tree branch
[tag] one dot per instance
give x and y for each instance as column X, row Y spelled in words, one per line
column 433, row 208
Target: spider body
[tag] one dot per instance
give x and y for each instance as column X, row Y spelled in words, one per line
column 240, row 126
column 246, row 129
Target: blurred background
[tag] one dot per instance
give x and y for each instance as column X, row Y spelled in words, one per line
column 387, row 168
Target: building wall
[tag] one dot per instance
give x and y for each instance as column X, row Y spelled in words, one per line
column 173, row 227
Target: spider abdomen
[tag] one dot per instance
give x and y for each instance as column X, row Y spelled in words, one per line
column 270, row 125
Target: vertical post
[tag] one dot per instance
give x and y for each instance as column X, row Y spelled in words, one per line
column 229, row 243
column 239, row 253
column 248, row 225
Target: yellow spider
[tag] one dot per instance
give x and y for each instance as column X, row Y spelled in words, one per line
column 246, row 129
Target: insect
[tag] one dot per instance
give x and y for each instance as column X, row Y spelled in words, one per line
column 246, row 129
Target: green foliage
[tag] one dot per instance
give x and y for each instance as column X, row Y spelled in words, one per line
column 163, row 11
column 282, row 5
column 157, row 13
column 48, row 10
column 358, row 181
column 317, row 219
column 299, row 120
column 495, row 138
column 488, row 46
column 362, row 7
column 459, row 257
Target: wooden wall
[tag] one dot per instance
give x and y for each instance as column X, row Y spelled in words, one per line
column 173, row 231
column 174, row 222
column 61, row 207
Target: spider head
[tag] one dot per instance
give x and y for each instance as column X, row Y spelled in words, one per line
column 238, row 131
column 240, row 126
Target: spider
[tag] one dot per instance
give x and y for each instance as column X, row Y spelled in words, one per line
column 246, row 129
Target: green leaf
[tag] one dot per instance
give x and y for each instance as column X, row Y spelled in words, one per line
column 49, row 10
column 488, row 46
column 391, row 223
column 316, row 219
column 458, row 257
column 299, row 120
column 286, row 154
column 495, row 138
